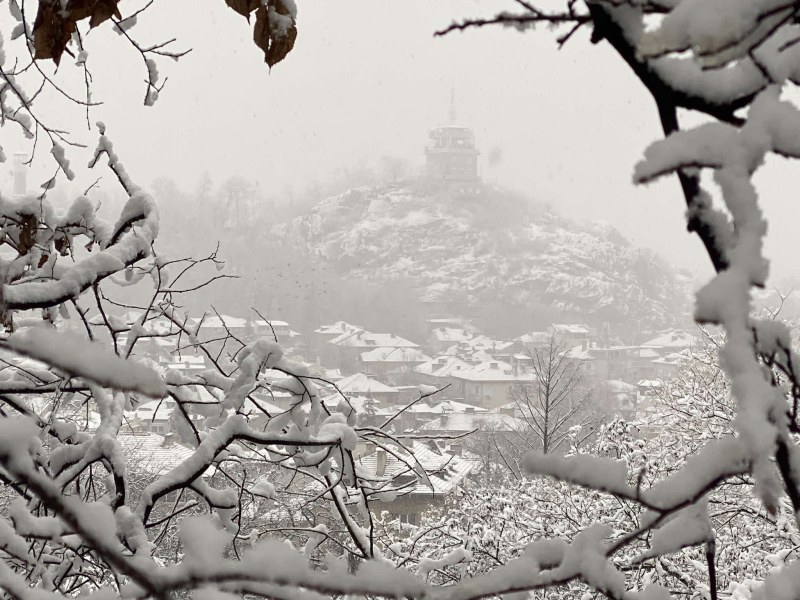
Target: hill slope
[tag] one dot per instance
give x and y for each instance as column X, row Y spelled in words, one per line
column 489, row 249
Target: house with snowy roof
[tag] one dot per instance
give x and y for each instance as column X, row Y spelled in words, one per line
column 151, row 453
column 275, row 328
column 436, row 322
column 488, row 384
column 613, row 361
column 478, row 419
column 672, row 341
column 318, row 345
column 417, row 415
column 481, row 348
column 615, row 397
column 185, row 361
column 325, row 333
column 643, row 365
column 258, row 410
column 531, row 341
column 155, row 417
column 409, row 481
column 571, row 333
column 349, row 346
column 439, row 371
column 360, row 384
column 369, row 412
column 394, row 363
column 444, row 337
column 666, row 366
column 216, row 326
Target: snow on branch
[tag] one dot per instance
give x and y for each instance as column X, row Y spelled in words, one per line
column 589, row 471
column 130, row 242
column 89, row 360
column 689, row 527
column 718, row 31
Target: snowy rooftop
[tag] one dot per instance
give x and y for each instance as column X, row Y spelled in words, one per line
column 366, row 339
column 619, row 386
column 464, row 422
column 222, row 321
column 579, row 353
column 442, row 366
column 444, row 471
column 534, row 337
column 362, row 406
column 387, row 354
column 672, row 339
column 673, row 358
column 154, row 410
column 444, row 407
column 495, row 370
column 570, row 328
column 451, row 335
column 231, row 322
column 338, row 328
column 359, row 383
column 148, row 451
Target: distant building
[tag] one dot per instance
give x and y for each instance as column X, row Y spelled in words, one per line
column 350, row 345
column 571, row 333
column 672, row 341
column 325, row 333
column 393, row 363
column 400, row 489
column 360, row 384
column 451, row 154
column 488, row 384
column 452, row 157
column 439, row 372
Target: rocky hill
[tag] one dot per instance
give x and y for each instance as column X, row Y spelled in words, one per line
column 489, row 248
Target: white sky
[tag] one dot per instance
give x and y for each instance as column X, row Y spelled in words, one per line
column 367, row 78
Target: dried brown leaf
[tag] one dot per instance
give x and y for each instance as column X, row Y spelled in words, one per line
column 274, row 41
column 52, row 30
column 244, row 7
column 27, row 234
column 55, row 24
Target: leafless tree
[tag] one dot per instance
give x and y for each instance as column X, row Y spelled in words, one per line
column 556, row 401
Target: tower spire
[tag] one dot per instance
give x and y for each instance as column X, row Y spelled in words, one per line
column 452, row 105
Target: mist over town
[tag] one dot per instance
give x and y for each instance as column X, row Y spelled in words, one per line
column 441, row 302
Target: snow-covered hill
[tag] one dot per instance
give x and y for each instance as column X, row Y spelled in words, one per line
column 490, row 248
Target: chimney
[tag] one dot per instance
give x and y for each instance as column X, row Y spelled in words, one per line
column 380, row 467
column 20, row 174
column 169, row 439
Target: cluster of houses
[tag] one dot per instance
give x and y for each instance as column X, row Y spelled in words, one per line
column 390, row 381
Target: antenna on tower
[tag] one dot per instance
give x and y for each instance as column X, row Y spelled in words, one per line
column 452, row 105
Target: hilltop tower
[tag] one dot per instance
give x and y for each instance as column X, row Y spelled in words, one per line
column 451, row 155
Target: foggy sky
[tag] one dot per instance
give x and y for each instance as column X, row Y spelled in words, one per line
column 367, row 78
